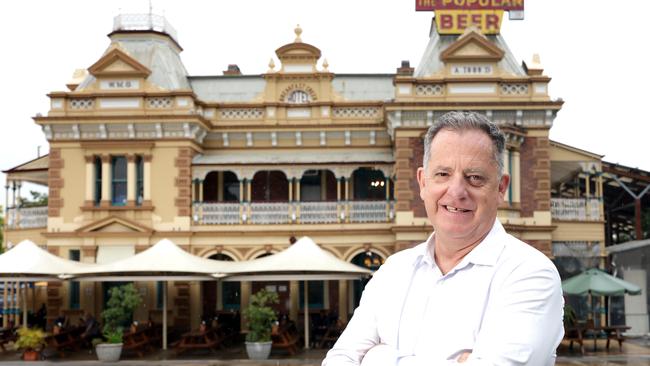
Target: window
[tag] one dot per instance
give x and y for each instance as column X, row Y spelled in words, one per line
column 118, row 180
column 98, row 181
column 139, row 180
column 298, row 97
column 74, row 255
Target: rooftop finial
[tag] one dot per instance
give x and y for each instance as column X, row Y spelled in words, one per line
column 271, row 64
column 325, row 64
column 298, row 32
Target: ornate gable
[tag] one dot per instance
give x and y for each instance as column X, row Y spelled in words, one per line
column 114, row 224
column 116, row 62
column 472, row 46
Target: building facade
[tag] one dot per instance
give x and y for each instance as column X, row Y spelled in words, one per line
column 232, row 166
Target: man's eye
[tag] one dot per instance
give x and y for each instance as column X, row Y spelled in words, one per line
column 441, row 174
column 475, row 179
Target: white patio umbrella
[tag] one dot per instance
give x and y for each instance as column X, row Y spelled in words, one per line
column 164, row 261
column 27, row 262
column 304, row 260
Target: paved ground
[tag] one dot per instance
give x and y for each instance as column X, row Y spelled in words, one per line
column 635, row 352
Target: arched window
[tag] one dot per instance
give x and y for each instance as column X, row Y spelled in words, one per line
column 370, row 260
column 298, row 97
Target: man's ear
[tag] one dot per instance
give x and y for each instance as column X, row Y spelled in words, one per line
column 422, row 182
column 503, row 185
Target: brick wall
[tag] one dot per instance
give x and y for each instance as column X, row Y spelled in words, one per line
column 55, row 183
column 535, row 175
column 408, row 158
column 183, row 181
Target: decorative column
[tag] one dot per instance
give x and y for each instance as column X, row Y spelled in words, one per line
column 219, row 186
column 5, row 306
column 291, row 210
column 130, row 180
column 339, row 208
column 516, row 178
column 13, row 194
column 298, row 198
column 294, row 290
column 242, row 200
column 347, row 199
column 387, row 188
column 601, row 209
column 146, row 191
column 245, row 299
column 6, row 205
column 506, row 170
column 90, row 181
column 249, row 197
column 106, row 181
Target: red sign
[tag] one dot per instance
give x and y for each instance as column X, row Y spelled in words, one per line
column 429, row 5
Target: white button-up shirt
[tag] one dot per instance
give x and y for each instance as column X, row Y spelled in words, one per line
column 502, row 302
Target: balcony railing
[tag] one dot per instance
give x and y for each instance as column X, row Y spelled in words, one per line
column 326, row 212
column 27, row 217
column 577, row 209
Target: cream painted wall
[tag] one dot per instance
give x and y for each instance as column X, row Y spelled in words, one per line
column 579, row 231
column 163, row 189
column 74, row 182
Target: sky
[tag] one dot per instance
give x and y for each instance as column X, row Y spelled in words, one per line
column 596, row 54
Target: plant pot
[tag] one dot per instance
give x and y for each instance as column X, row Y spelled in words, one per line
column 109, row 352
column 258, row 350
column 31, row 355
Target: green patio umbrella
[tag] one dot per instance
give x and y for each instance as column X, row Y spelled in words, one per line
column 596, row 282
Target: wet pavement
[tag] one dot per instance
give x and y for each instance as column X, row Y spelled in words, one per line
column 635, row 352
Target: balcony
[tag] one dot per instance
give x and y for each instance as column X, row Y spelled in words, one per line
column 575, row 209
column 323, row 212
column 27, row 217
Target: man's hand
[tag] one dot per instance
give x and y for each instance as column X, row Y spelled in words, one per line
column 463, row 357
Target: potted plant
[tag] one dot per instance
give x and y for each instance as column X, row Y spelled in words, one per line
column 32, row 342
column 260, row 318
column 122, row 302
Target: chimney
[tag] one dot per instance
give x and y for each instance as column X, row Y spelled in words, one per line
column 233, row 69
column 405, row 69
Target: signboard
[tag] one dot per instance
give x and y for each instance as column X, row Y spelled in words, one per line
column 454, row 16
column 429, row 5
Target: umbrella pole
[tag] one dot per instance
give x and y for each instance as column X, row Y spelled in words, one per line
column 306, row 307
column 164, row 317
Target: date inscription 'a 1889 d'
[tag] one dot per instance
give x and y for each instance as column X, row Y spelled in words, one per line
column 471, row 69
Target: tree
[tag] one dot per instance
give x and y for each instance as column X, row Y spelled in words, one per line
column 38, row 200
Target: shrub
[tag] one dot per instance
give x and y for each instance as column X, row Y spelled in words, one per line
column 122, row 302
column 260, row 316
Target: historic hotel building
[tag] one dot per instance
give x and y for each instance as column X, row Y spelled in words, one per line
column 232, row 166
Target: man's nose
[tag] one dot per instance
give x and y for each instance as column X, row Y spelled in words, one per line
column 457, row 187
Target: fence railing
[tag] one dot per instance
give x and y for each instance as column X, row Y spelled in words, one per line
column 27, row 217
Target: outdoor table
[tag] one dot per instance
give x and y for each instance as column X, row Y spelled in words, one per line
column 579, row 333
column 202, row 339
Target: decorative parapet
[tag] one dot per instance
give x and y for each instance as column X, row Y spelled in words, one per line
column 356, row 112
column 424, row 119
column 241, row 113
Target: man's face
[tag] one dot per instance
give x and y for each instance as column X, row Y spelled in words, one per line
column 461, row 189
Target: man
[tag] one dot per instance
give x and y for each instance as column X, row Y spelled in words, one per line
column 471, row 293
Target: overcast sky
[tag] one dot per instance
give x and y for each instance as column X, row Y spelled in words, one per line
column 596, row 54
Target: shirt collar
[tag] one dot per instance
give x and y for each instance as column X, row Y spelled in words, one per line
column 486, row 253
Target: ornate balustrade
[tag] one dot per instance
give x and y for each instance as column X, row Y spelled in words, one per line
column 318, row 212
column 324, row 212
column 577, row 209
column 27, row 217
